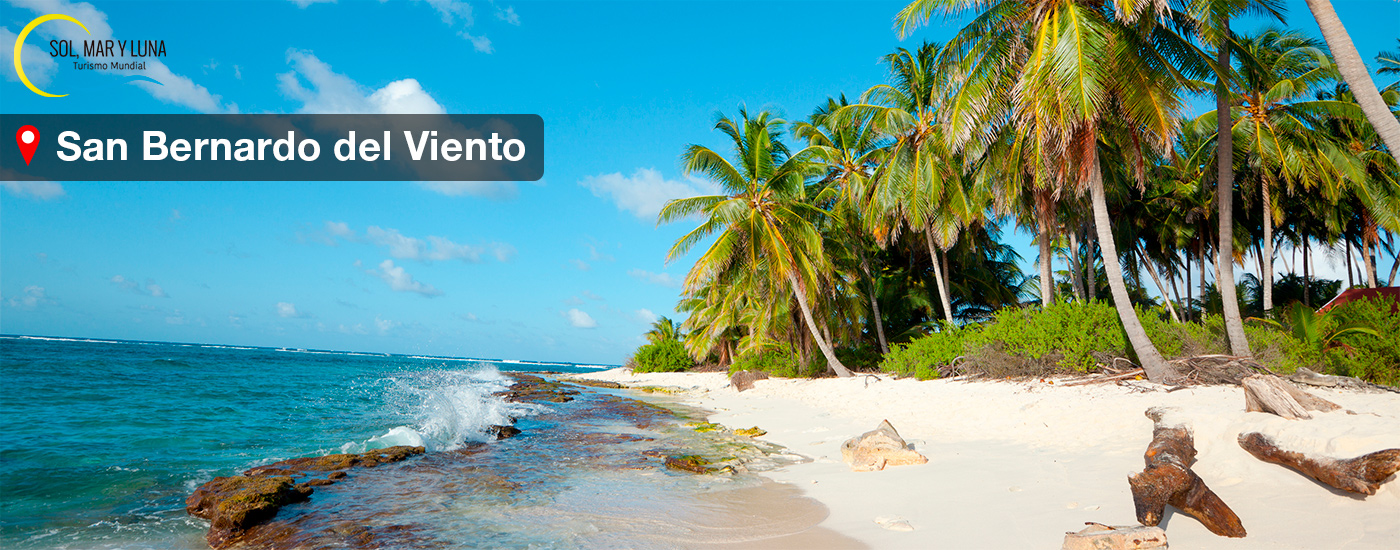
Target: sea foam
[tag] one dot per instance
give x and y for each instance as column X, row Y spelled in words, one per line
column 447, row 409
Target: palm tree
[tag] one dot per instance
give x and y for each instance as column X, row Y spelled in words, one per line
column 765, row 221
column 663, row 329
column 1277, row 69
column 1070, row 75
column 847, row 150
column 919, row 181
column 1353, row 70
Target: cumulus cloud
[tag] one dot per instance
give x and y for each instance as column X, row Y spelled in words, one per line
column 645, row 191
column 173, row 88
column 384, row 325
column 41, row 190
column 149, row 289
column 403, row 247
column 400, row 281
column 33, row 296
column 663, row 279
column 646, row 316
column 38, row 65
column 580, row 319
column 321, row 90
column 289, row 310
column 508, row 15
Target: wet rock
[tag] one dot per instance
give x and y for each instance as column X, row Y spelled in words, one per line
column 744, row 379
column 233, row 504
column 502, row 432
column 751, row 432
column 529, row 388
column 689, row 463
column 597, row 383
column 878, row 448
column 367, row 459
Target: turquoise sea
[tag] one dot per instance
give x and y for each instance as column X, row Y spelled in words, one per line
column 105, row 439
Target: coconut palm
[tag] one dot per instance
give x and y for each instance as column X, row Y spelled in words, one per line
column 764, row 223
column 1071, row 76
column 663, row 329
column 1353, row 70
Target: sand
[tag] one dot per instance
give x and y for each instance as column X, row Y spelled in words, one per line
column 1018, row 464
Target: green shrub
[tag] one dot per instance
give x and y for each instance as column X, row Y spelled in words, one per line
column 663, row 356
column 1374, row 358
column 1279, row 350
column 780, row 361
column 922, row 356
column 1063, row 335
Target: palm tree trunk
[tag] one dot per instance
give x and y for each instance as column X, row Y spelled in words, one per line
column 1152, row 362
column 1091, row 278
column 1368, row 236
column 1187, row 283
column 1351, row 270
column 1225, row 194
column 1393, row 268
column 1267, row 259
column 1353, row 70
column 1176, row 293
column 1201, row 263
column 1147, row 265
column 1047, row 281
column 874, row 302
column 822, row 343
column 938, row 276
column 1076, row 272
column 1306, row 300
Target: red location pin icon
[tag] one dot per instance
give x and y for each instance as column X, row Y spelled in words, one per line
column 28, row 139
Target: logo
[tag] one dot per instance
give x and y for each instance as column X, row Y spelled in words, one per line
column 135, row 50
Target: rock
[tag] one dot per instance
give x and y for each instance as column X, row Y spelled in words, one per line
column 531, row 388
column 894, row 524
column 233, row 504
column 597, row 383
column 878, row 448
column 1103, row 537
column 744, row 379
column 751, row 432
column 689, row 463
column 502, row 432
column 367, row 459
column 237, row 503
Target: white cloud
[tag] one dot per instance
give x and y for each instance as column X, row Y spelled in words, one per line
column 33, row 297
column 580, row 264
column 173, row 88
column 401, row 281
column 339, row 229
column 304, row 3
column 646, row 316
column 580, row 319
column 451, row 10
column 42, row 190
column 289, row 310
column 38, row 65
column 330, row 92
column 357, row 328
column 645, row 191
column 499, row 190
column 508, row 15
column 149, row 289
column 663, row 279
column 404, row 247
column 384, row 325
column 479, row 43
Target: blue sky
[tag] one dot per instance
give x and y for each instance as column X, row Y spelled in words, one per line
column 569, row 268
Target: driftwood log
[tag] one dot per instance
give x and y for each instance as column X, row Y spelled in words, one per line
column 1363, row 474
column 1168, row 479
column 1271, row 394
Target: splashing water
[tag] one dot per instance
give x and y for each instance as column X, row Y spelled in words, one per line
column 448, row 408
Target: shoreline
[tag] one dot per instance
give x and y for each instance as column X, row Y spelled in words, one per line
column 1019, row 464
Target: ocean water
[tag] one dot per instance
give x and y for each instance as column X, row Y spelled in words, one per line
column 104, row 440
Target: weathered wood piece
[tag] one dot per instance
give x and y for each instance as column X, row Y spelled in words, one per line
column 878, row 448
column 1363, row 474
column 1168, row 479
column 1098, row 536
column 1271, row 394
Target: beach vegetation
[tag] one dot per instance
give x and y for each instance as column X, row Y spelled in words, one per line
column 663, row 356
column 872, row 234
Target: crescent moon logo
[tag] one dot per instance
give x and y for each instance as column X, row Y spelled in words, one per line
column 19, row 46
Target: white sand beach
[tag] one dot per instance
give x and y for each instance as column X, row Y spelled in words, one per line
column 1018, row 464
